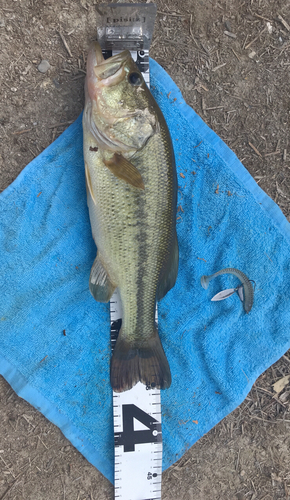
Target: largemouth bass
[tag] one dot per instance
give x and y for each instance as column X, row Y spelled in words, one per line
column 131, row 194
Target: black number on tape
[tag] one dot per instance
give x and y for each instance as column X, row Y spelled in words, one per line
column 115, row 328
column 128, row 438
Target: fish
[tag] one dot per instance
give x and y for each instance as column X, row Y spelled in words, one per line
column 246, row 293
column 132, row 196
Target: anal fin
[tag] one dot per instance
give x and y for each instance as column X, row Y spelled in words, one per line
column 169, row 271
column 100, row 284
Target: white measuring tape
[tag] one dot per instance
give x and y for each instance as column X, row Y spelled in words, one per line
column 137, row 433
column 137, row 412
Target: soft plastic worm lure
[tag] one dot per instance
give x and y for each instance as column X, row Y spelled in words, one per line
column 248, row 295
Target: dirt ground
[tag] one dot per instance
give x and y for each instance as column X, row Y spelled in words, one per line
column 231, row 60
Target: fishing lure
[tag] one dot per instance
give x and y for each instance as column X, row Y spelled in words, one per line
column 245, row 291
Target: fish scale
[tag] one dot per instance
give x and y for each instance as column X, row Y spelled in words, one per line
column 115, row 233
column 132, row 192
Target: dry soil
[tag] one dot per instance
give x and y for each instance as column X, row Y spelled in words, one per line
column 231, row 60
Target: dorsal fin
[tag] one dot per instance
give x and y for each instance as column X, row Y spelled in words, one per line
column 169, row 271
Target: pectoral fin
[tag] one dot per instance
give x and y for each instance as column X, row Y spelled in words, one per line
column 169, row 271
column 125, row 170
column 100, row 284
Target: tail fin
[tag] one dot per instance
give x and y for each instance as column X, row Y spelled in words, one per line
column 147, row 364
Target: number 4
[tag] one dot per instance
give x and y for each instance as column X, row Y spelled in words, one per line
column 128, row 438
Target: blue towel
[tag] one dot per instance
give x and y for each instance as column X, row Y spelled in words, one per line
column 55, row 339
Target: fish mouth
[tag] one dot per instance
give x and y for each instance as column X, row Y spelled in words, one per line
column 108, row 72
column 102, row 73
column 99, row 117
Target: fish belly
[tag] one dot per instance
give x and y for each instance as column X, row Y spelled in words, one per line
column 132, row 229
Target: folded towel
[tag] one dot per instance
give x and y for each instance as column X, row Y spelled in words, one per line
column 55, row 339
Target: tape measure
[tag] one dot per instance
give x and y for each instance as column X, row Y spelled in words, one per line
column 137, row 412
column 137, row 433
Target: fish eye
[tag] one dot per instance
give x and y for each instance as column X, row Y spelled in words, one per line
column 135, row 79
